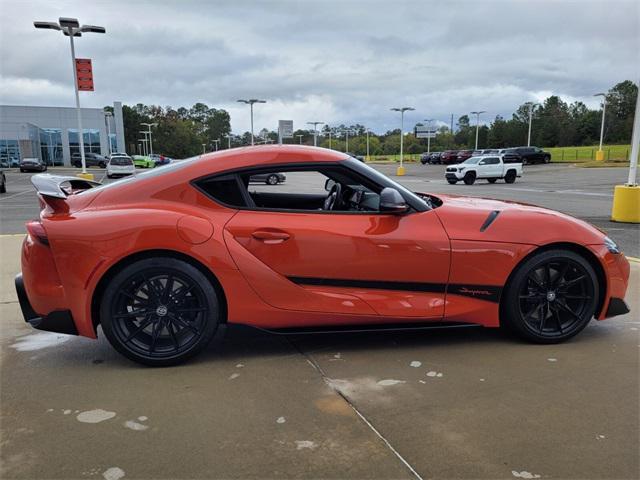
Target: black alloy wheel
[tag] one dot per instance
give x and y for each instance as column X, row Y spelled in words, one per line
column 159, row 311
column 469, row 178
column 552, row 297
column 272, row 179
column 452, row 182
column 510, row 177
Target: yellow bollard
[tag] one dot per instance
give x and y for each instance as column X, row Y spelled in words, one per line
column 400, row 171
column 626, row 204
column 86, row 176
column 600, row 155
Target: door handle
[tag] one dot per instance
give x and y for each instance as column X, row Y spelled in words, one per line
column 269, row 236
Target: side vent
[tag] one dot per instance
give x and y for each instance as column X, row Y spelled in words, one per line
column 492, row 216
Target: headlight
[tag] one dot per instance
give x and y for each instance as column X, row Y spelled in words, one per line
column 611, row 245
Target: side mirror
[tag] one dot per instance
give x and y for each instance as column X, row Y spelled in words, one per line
column 328, row 185
column 392, row 202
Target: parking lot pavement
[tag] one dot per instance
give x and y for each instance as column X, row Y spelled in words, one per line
column 465, row 403
column 586, row 193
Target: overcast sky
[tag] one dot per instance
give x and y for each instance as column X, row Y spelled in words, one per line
column 337, row 62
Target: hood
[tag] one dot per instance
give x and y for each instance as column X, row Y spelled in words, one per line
column 470, row 218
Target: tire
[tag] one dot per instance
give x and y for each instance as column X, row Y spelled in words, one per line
column 551, row 297
column 547, row 159
column 44, row 169
column 469, row 178
column 3, row 187
column 491, row 180
column 102, row 165
column 452, row 182
column 163, row 333
column 510, row 177
column 272, row 180
column 22, row 170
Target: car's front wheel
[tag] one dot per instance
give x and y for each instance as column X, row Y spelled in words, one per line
column 272, row 180
column 160, row 311
column 452, row 182
column 551, row 297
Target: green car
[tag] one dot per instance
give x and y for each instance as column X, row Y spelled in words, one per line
column 143, row 162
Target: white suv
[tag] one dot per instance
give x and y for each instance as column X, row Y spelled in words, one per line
column 120, row 164
column 487, row 167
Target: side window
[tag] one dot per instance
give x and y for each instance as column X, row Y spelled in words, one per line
column 225, row 190
column 493, row 161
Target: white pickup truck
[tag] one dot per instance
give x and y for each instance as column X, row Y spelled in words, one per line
column 487, row 167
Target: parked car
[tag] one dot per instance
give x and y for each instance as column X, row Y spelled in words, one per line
column 435, row 157
column 528, row 155
column 160, row 159
column 142, row 161
column 32, row 165
column 164, row 262
column 3, row 182
column 268, row 178
column 449, row 156
column 90, row 160
column 463, row 155
column 490, row 168
column 425, row 158
column 120, row 165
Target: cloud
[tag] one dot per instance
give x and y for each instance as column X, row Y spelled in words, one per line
column 338, row 62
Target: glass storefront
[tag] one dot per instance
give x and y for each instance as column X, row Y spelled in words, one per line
column 9, row 153
column 90, row 138
column 51, row 146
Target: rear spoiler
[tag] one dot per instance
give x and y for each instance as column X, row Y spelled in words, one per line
column 52, row 185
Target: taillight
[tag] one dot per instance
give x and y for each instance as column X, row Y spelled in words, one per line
column 37, row 231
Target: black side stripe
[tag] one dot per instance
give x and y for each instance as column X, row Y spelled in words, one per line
column 492, row 216
column 490, row 293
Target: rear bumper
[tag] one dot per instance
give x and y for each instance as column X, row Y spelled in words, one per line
column 59, row 321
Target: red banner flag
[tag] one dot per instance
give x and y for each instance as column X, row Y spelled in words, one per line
column 84, row 74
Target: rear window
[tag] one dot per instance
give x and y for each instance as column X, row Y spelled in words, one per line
column 121, row 161
column 224, row 189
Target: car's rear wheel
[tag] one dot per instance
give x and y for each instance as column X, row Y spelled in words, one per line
column 272, row 179
column 551, row 297
column 160, row 311
column 491, row 180
column 510, row 177
column 469, row 178
column 547, row 159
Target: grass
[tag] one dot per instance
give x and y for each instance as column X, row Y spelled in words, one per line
column 612, row 153
column 597, row 164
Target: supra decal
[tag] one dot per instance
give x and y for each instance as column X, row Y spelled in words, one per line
column 481, row 292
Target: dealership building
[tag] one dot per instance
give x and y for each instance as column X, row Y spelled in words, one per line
column 51, row 133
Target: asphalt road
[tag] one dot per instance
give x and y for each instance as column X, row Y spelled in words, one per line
column 466, row 403
column 586, row 193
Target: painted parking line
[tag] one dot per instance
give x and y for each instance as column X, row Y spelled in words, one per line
column 15, row 194
column 570, row 192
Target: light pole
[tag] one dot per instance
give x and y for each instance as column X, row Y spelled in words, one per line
column 149, row 125
column 600, row 154
column 300, row 139
column 139, row 146
column 107, row 116
column 228, row 137
column 146, row 139
column 531, row 106
column 477, row 114
column 144, row 145
column 400, row 170
column 329, row 138
column 346, row 138
column 204, row 146
column 71, row 28
column 368, row 159
column 216, row 142
column 315, row 131
column 428, row 120
column 250, row 102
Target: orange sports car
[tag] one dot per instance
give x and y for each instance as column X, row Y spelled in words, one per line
column 164, row 260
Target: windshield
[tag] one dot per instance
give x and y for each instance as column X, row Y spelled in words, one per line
column 472, row 160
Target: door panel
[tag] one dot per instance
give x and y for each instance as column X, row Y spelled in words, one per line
column 393, row 265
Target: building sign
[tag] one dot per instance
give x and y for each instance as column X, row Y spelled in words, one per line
column 422, row 131
column 285, row 128
column 84, row 74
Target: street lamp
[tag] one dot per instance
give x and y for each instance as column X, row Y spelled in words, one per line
column 300, row 138
column 600, row 154
column 146, row 139
column 315, row 131
column 477, row 114
column 400, row 170
column 346, row 138
column 107, row 117
column 216, row 143
column 149, row 125
column 228, row 137
column 70, row 27
column 531, row 106
column 204, row 146
column 429, row 120
column 250, row 103
column 144, row 145
column 368, row 159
